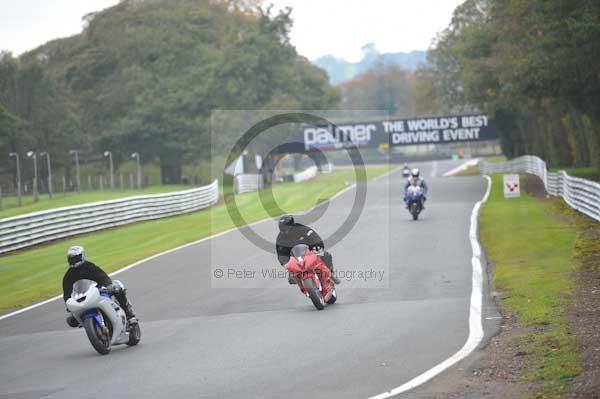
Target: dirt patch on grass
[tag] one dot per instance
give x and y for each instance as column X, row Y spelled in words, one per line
column 584, row 316
column 584, row 312
column 534, row 186
column 585, row 321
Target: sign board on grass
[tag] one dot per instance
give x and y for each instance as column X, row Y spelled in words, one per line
column 512, row 187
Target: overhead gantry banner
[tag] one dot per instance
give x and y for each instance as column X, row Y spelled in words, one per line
column 394, row 132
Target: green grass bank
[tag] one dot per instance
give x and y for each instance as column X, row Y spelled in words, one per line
column 531, row 245
column 585, row 173
column 35, row 274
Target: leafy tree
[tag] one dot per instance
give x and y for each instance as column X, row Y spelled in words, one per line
column 386, row 87
column 35, row 112
column 531, row 64
column 145, row 77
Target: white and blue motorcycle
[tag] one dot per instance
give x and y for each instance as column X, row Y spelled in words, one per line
column 102, row 317
column 414, row 200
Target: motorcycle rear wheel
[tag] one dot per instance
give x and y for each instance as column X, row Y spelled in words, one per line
column 99, row 340
column 314, row 294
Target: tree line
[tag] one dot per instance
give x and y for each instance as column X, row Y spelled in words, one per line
column 144, row 76
column 532, row 65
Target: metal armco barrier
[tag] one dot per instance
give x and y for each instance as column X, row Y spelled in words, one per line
column 580, row 194
column 39, row 227
column 247, row 183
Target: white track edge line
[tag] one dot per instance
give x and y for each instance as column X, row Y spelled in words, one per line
column 139, row 262
column 464, row 166
column 434, row 168
column 476, row 332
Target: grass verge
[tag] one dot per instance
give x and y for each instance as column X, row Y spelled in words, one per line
column 470, row 171
column 495, row 158
column 532, row 249
column 474, row 170
column 10, row 206
column 35, row 274
column 585, row 173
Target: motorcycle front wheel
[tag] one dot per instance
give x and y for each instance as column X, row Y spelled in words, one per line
column 314, row 294
column 415, row 211
column 99, row 340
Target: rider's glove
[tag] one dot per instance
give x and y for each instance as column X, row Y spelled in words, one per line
column 114, row 288
column 283, row 260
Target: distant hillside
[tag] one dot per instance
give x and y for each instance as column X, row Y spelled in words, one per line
column 340, row 70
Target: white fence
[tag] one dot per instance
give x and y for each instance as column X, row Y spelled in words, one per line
column 39, row 227
column 581, row 194
column 327, row 168
column 305, row 174
column 247, row 183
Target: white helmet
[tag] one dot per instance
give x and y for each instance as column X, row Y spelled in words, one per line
column 415, row 172
column 76, row 256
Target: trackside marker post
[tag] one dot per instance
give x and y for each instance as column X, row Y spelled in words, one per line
column 512, row 186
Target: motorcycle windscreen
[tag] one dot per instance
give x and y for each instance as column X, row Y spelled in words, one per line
column 299, row 251
column 415, row 190
column 81, row 286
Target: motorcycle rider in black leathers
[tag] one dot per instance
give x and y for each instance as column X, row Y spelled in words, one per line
column 292, row 234
column 79, row 269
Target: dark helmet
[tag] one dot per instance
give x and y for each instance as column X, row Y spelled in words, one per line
column 76, row 256
column 285, row 222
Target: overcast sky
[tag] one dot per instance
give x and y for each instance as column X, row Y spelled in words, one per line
column 336, row 27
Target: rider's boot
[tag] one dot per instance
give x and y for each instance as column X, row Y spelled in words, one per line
column 129, row 314
column 291, row 279
column 328, row 260
column 127, row 307
column 334, row 278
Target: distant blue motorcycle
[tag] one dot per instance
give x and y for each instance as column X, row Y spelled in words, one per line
column 414, row 200
column 405, row 171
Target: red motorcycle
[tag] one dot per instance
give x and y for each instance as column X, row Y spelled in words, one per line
column 312, row 276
